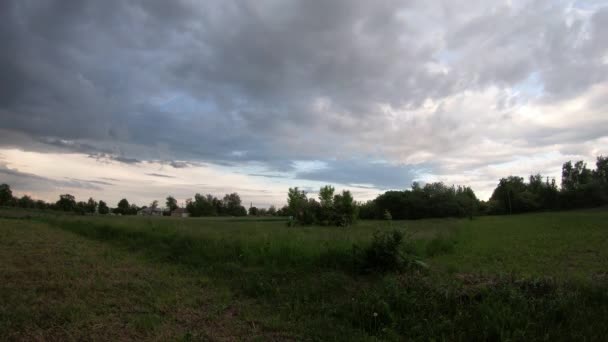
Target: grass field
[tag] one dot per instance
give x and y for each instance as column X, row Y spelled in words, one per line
column 524, row 277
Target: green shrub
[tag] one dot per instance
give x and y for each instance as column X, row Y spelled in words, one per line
column 383, row 254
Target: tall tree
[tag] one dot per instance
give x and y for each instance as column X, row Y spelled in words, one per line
column 272, row 210
column 171, row 203
column 26, row 202
column 103, row 208
column 296, row 201
column 345, row 209
column 91, row 206
column 66, row 202
column 123, row 207
column 601, row 170
column 232, row 205
column 6, row 195
column 326, row 199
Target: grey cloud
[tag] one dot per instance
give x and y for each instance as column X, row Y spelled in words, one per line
column 159, row 175
column 125, row 160
column 361, row 173
column 179, row 164
column 23, row 181
column 232, row 82
column 90, row 181
column 265, row 175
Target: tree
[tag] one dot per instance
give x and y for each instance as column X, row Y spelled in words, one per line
column 171, row 203
column 368, row 210
column 123, row 207
column 26, row 202
column 154, row 204
column 232, row 205
column 204, row 206
column 103, row 208
column 326, row 199
column 133, row 209
column 582, row 187
column 81, row 207
column 40, row 204
column 272, row 210
column 253, row 211
column 6, row 195
column 512, row 196
column 601, row 170
column 284, row 211
column 345, row 209
column 574, row 177
column 91, row 206
column 66, row 202
column 430, row 200
column 296, row 202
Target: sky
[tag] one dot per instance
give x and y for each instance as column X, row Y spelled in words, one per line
column 148, row 98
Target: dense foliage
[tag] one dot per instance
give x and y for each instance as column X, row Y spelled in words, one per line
column 580, row 187
column 431, row 200
column 331, row 209
column 210, row 205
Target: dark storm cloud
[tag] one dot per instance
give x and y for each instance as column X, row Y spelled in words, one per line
column 234, row 82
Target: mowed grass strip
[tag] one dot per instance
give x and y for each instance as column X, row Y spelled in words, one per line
column 57, row 286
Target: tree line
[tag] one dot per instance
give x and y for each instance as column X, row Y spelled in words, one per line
column 580, row 187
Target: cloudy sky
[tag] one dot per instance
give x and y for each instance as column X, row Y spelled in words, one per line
column 145, row 98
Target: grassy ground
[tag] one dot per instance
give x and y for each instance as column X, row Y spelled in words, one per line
column 526, row 277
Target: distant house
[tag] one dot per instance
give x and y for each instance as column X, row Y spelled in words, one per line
column 180, row 212
column 150, row 212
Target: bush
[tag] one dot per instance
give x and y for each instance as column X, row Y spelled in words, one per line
column 383, row 254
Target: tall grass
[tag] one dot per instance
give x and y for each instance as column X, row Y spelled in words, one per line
column 507, row 280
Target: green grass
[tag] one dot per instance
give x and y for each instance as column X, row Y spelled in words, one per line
column 525, row 277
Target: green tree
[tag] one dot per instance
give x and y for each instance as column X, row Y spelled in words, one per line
column 512, row 196
column 171, row 203
column 26, row 202
column 40, row 204
column 253, row 211
column 6, row 195
column 326, row 200
column 103, row 208
column 66, row 202
column 297, row 202
column 232, row 205
column 123, row 207
column 272, row 210
column 91, row 206
column 601, row 170
column 345, row 209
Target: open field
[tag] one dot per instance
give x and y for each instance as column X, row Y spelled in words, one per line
column 525, row 277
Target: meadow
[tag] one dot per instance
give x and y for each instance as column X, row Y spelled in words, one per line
column 541, row 276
